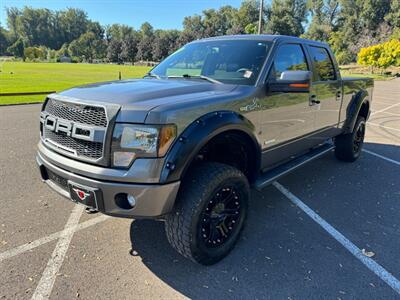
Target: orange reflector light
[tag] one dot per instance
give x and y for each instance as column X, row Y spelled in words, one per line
column 167, row 136
column 299, row 85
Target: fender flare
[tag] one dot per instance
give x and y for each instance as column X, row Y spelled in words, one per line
column 353, row 109
column 197, row 134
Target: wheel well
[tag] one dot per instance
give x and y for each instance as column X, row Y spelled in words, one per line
column 364, row 110
column 234, row 148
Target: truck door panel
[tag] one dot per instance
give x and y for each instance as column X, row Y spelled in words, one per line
column 285, row 116
column 326, row 89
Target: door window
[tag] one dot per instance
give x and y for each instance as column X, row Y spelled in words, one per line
column 324, row 69
column 290, row 57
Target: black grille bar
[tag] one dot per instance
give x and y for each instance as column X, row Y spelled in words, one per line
column 90, row 115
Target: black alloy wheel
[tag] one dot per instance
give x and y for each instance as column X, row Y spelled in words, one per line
column 220, row 217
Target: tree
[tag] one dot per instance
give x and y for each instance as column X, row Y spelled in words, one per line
column 286, row 17
column 145, row 49
column 17, row 49
column 373, row 12
column 114, row 51
column 117, row 31
column 4, row 40
column 193, row 27
column 218, row 22
column 393, row 17
column 146, row 30
column 359, row 25
column 49, row 28
column 87, row 46
column 165, row 43
column 145, row 44
column 13, row 14
column 348, row 26
column 247, row 13
column 129, row 48
column 323, row 19
column 71, row 23
column 97, row 29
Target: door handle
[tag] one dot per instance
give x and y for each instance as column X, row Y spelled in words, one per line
column 313, row 100
column 338, row 95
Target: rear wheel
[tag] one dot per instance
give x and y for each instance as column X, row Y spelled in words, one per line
column 209, row 214
column 349, row 146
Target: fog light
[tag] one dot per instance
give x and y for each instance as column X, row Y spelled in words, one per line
column 131, row 200
column 125, row 201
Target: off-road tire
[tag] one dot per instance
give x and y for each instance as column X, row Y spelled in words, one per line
column 348, row 147
column 183, row 225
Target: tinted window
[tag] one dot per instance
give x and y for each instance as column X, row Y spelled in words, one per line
column 323, row 64
column 234, row 61
column 289, row 58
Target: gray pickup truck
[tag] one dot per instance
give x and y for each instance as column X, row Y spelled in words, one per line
column 186, row 143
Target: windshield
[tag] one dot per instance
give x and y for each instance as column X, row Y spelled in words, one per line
column 233, row 62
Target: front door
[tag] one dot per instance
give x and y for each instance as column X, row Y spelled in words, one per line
column 286, row 116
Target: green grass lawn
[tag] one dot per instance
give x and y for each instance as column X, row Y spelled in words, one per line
column 374, row 76
column 16, row 77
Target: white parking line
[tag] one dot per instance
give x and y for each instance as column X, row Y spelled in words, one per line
column 379, row 101
column 392, row 114
column 392, row 281
column 382, row 126
column 52, row 237
column 383, row 157
column 384, row 109
column 43, row 290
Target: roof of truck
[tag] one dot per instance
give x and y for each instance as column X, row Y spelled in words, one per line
column 263, row 37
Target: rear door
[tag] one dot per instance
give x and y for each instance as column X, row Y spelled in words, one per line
column 326, row 88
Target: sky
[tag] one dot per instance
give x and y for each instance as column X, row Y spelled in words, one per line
column 161, row 14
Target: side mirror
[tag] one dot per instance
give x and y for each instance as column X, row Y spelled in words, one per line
column 291, row 82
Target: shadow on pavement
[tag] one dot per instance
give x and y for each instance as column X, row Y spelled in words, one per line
column 281, row 253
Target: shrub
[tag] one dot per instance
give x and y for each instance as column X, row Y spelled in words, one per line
column 35, row 53
column 382, row 55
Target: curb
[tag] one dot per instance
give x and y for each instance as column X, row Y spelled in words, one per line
column 17, row 104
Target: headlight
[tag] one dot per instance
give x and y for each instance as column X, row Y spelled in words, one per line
column 131, row 141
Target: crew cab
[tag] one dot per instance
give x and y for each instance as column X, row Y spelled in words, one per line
column 187, row 142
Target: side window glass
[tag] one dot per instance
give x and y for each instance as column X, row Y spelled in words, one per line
column 289, row 57
column 324, row 68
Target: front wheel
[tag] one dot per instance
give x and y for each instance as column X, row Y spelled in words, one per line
column 210, row 213
column 349, row 146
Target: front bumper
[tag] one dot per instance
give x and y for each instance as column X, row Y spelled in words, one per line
column 152, row 200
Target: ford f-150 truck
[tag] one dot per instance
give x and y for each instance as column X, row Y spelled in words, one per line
column 186, row 143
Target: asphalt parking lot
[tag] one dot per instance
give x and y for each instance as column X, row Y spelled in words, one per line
column 303, row 238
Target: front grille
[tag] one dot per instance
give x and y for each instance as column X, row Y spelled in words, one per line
column 91, row 150
column 84, row 114
column 77, row 113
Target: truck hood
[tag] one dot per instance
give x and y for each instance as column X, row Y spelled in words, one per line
column 137, row 97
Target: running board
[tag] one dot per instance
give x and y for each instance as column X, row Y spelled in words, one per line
column 272, row 175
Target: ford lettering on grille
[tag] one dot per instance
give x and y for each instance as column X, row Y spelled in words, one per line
column 74, row 129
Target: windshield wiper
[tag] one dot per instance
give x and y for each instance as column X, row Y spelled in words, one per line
column 197, row 76
column 152, row 75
